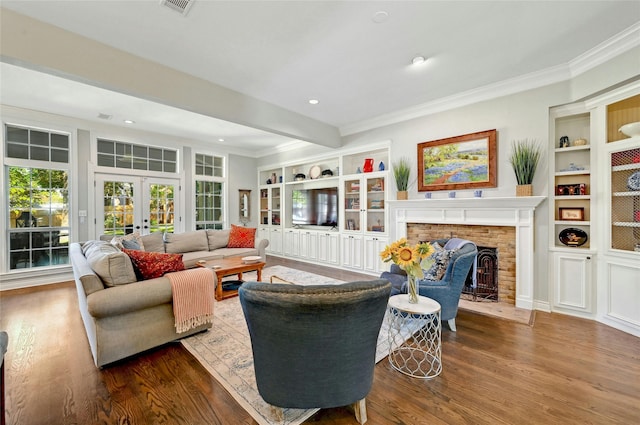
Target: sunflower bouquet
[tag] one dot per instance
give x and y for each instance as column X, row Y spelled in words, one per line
column 411, row 259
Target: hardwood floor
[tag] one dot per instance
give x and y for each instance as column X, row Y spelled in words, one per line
column 563, row 370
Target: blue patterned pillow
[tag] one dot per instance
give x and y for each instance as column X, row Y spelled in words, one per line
column 440, row 259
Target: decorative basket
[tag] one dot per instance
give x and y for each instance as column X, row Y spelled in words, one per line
column 524, row 190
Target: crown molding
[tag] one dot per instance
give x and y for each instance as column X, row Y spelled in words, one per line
column 604, row 52
column 600, row 54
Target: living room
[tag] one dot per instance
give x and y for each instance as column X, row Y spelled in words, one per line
column 518, row 109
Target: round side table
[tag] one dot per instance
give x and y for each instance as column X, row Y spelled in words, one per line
column 415, row 335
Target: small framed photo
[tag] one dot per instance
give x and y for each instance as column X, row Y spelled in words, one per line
column 574, row 214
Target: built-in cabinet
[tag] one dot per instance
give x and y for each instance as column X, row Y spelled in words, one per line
column 595, row 209
column 360, row 180
column 270, row 214
column 572, row 212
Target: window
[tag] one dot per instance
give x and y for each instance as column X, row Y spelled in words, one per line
column 136, row 157
column 209, row 191
column 38, row 197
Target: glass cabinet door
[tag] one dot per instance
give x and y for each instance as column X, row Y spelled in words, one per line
column 353, row 205
column 625, row 199
column 275, row 206
column 375, row 204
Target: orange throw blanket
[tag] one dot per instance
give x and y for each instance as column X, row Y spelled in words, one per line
column 193, row 293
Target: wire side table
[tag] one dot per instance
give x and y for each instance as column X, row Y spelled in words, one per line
column 415, row 336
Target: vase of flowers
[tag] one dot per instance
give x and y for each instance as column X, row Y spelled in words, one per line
column 411, row 259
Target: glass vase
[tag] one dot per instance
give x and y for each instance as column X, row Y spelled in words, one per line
column 412, row 288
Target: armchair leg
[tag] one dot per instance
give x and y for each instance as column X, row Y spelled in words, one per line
column 452, row 324
column 360, row 409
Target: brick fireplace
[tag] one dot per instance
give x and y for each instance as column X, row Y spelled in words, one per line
column 504, row 223
column 503, row 238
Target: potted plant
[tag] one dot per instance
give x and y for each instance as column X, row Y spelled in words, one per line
column 401, row 173
column 525, row 156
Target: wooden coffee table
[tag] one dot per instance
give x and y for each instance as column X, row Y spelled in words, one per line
column 229, row 267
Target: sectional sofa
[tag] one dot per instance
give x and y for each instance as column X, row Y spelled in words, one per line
column 124, row 315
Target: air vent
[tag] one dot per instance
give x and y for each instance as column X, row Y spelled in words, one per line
column 104, row 116
column 180, row 6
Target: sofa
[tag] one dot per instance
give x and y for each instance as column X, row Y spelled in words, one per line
column 125, row 313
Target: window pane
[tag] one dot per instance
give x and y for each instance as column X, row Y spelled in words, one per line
column 17, row 135
column 155, row 153
column 39, row 154
column 140, row 164
column 155, row 165
column 17, row 151
column 60, row 141
column 58, row 155
column 170, row 167
column 171, row 156
column 106, row 146
column 39, row 138
column 106, row 161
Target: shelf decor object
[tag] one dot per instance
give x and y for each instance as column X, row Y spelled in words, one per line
column 573, row 237
column 462, row 162
column 401, row 173
column 633, row 182
column 525, row 155
column 632, row 129
column 573, row 214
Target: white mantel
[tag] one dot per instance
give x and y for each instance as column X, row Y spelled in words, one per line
column 513, row 211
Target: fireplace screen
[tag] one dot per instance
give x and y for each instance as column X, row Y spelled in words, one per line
column 486, row 288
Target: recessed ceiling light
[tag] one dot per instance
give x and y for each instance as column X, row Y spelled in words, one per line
column 314, row 101
column 220, row 140
column 129, row 122
column 380, row 16
column 418, row 60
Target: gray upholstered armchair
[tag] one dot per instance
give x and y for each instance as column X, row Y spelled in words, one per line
column 314, row 346
column 446, row 290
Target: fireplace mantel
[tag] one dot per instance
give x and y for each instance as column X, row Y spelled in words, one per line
column 508, row 211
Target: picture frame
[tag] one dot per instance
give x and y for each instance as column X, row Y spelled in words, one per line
column 572, row 214
column 462, row 162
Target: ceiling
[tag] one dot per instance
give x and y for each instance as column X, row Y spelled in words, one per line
column 353, row 56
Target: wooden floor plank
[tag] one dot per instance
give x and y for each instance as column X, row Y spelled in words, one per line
column 561, row 370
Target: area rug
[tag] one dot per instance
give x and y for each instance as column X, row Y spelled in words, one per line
column 225, row 350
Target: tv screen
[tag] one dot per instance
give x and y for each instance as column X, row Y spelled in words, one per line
column 315, row 207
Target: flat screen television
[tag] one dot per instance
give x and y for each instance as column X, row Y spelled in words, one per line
column 315, row 207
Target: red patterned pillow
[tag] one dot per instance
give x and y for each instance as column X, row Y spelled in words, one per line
column 150, row 265
column 242, row 237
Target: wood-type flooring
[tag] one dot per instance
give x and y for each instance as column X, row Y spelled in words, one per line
column 562, row 370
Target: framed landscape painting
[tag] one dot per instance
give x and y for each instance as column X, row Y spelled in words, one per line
column 461, row 162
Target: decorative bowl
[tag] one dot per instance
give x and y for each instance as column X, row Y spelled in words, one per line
column 632, row 129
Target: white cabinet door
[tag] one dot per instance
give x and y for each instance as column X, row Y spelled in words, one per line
column 352, row 251
column 292, row 243
column 328, row 248
column 373, row 246
column 309, row 245
column 275, row 240
column 573, row 291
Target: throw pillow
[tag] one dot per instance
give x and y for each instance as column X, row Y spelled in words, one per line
column 130, row 244
column 135, row 236
column 242, row 237
column 440, row 259
column 154, row 264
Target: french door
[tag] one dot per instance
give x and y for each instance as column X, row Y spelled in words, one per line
column 125, row 204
